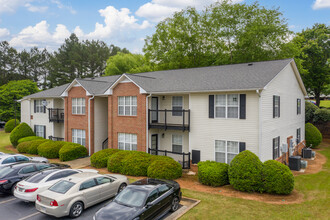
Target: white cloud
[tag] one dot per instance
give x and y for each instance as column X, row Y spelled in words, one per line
column 33, row 8
column 319, row 4
column 11, row 5
column 61, row 6
column 4, row 32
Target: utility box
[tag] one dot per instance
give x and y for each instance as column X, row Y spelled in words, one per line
column 295, row 163
column 303, row 164
column 196, row 156
column 307, row 153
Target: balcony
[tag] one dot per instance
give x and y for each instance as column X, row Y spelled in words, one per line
column 55, row 138
column 56, row 115
column 169, row 119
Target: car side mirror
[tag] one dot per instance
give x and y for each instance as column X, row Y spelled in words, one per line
column 148, row 205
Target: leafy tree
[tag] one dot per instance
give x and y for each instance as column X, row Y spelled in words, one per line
column 8, row 64
column 14, row 90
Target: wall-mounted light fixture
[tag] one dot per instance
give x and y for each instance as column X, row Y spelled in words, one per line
column 163, row 135
column 163, row 97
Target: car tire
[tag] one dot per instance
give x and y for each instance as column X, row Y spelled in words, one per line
column 121, row 187
column 13, row 188
column 76, row 209
column 175, row 204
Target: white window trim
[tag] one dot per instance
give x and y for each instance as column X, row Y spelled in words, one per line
column 226, row 148
column 130, row 142
column 182, row 142
column 299, row 107
column 177, row 105
column 278, row 106
column 226, row 106
column 39, row 106
column 278, row 147
column 82, row 107
column 130, row 105
column 42, row 130
column 81, row 137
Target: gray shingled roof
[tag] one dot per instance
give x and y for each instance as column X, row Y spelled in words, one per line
column 245, row 76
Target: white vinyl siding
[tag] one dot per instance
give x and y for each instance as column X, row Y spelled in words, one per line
column 225, row 151
column 127, row 141
column 78, row 106
column 79, row 136
column 127, row 105
column 177, row 143
column 40, row 108
column 177, row 105
column 227, row 106
column 40, row 130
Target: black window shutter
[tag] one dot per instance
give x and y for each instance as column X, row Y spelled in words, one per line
column 241, row 146
column 44, row 107
column 297, row 106
column 279, row 106
column 273, row 148
column 242, row 106
column 44, row 131
column 278, row 146
column 35, row 106
column 211, row 106
column 35, row 128
column 274, row 97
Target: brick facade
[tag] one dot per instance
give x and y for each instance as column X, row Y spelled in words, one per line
column 127, row 124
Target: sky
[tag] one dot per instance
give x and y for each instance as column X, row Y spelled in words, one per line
column 125, row 23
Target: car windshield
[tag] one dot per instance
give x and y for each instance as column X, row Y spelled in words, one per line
column 5, row 171
column 62, row 186
column 131, row 197
column 39, row 176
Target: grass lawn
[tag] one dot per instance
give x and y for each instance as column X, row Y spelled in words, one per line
column 4, row 141
column 315, row 187
column 325, row 103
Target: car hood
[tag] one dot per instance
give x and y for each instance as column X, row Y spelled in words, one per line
column 39, row 159
column 115, row 211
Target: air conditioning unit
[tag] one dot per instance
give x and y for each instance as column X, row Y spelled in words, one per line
column 295, row 163
column 284, row 148
column 303, row 164
column 307, row 153
column 313, row 153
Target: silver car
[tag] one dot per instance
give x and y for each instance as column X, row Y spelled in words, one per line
column 7, row 159
column 73, row 194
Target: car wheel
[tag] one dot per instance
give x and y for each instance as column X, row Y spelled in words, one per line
column 175, row 204
column 76, row 209
column 121, row 187
column 13, row 188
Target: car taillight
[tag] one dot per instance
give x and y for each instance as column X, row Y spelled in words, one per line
column 38, row 198
column 53, row 203
column 31, row 190
column 3, row 181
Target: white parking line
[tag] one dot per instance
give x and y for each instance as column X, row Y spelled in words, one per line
column 7, row 200
column 28, row 216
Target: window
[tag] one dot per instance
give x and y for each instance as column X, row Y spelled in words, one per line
column 177, row 143
column 40, row 130
column 79, row 136
column 276, row 147
column 38, row 106
column 27, row 169
column 102, row 180
column 298, row 135
column 78, row 106
column 227, row 106
column 88, row 184
column 177, row 105
column 127, row 141
column 43, row 166
column 298, row 106
column 9, row 160
column 276, row 106
column 61, row 174
column 62, row 186
column 127, row 105
column 163, row 189
column 22, row 158
column 225, row 151
column 153, row 195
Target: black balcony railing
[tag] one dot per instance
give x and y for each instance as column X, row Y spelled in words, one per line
column 55, row 138
column 182, row 158
column 169, row 119
column 56, row 115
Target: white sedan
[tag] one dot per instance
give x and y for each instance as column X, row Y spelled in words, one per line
column 73, row 194
column 7, row 159
column 28, row 189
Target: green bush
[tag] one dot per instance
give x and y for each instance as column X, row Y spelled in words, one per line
column 10, row 125
column 50, row 149
column 278, row 178
column 33, row 149
column 22, row 130
column 212, row 173
column 312, row 135
column 23, row 147
column 136, row 164
column 30, row 138
column 321, row 115
column 115, row 161
column 164, row 167
column 72, row 151
column 245, row 172
column 310, row 109
column 100, row 158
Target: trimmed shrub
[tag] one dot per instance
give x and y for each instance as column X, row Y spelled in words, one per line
column 23, row 147
column 310, row 109
column 33, row 148
column 115, row 161
column 312, row 135
column 100, row 158
column 50, row 149
column 164, row 167
column 30, row 138
column 278, row 179
column 136, row 164
column 22, row 130
column 245, row 172
column 321, row 115
column 10, row 125
column 72, row 151
column 212, row 173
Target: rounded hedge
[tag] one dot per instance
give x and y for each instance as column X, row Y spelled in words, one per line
column 164, row 168
column 312, row 135
column 33, row 148
column 23, row 147
column 10, row 125
column 72, row 151
column 245, row 172
column 30, row 138
column 213, row 173
column 115, row 161
column 100, row 158
column 321, row 115
column 50, row 149
column 136, row 164
column 310, row 109
column 22, row 130
column 278, row 179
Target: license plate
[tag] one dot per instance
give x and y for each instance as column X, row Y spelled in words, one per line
column 43, row 209
column 20, row 189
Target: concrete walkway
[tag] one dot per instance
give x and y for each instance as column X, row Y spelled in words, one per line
column 78, row 163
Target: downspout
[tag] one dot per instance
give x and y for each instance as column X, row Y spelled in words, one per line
column 260, row 123
column 89, row 126
column 147, row 122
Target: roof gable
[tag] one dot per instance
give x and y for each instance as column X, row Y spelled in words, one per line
column 122, row 79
